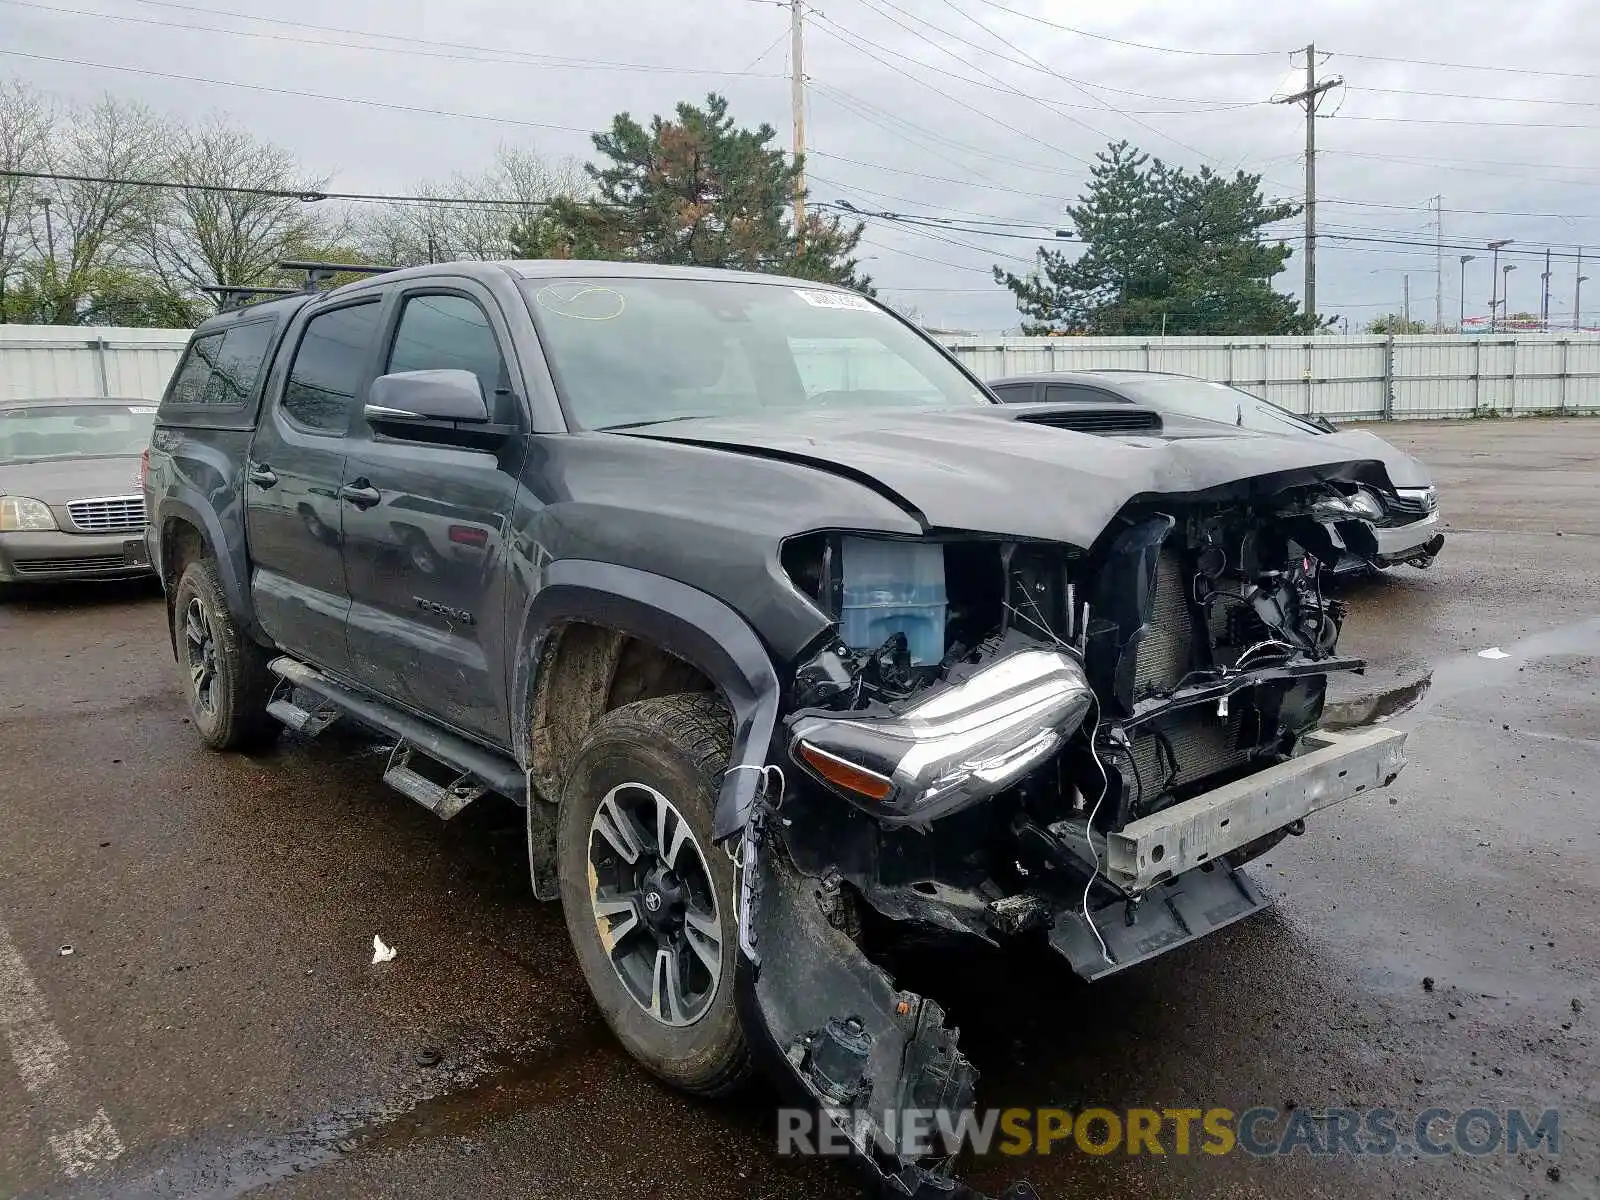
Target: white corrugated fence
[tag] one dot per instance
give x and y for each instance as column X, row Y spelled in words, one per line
column 1369, row 378
column 38, row 361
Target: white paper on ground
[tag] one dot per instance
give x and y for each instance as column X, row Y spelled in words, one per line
column 380, row 952
column 1493, row 652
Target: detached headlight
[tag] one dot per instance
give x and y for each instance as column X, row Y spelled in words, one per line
column 24, row 513
column 959, row 745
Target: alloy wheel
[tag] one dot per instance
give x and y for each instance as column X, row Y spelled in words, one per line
column 655, row 904
column 201, row 656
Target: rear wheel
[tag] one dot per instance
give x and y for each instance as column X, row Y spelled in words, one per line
column 647, row 895
column 224, row 673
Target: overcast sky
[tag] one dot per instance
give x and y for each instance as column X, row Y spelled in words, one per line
column 913, row 118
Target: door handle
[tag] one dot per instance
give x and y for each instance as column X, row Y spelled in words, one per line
column 360, row 493
column 261, row 475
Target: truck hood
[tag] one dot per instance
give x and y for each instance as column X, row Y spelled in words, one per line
column 1006, row 470
column 58, row 480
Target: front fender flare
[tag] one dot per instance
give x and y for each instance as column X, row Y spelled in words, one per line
column 682, row 620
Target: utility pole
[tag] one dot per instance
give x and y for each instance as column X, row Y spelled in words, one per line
column 797, row 98
column 49, row 231
column 1461, row 323
column 1544, row 300
column 1438, row 264
column 1577, row 292
column 1309, row 97
column 1405, row 303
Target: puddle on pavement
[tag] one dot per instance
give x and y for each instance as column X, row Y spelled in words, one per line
column 461, row 1101
column 1468, row 672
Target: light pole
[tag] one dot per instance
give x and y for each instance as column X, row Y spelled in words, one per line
column 1461, row 324
column 1494, row 279
column 1505, row 292
column 1577, row 302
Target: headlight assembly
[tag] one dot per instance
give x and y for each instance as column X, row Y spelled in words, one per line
column 954, row 747
column 25, row 514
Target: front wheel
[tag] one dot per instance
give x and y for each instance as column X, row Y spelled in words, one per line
column 224, row 673
column 647, row 895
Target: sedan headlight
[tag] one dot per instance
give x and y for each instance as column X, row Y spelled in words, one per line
column 959, row 745
column 1360, row 504
column 1365, row 504
column 24, row 513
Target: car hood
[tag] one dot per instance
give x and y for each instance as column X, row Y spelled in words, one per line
column 1004, row 470
column 58, row 480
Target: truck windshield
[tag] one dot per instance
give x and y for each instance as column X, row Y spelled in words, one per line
column 638, row 351
column 42, row 431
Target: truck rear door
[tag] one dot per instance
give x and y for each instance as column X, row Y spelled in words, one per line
column 294, row 513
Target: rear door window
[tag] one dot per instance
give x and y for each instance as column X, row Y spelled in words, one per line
column 329, row 366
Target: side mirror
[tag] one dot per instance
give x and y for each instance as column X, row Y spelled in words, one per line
column 416, row 396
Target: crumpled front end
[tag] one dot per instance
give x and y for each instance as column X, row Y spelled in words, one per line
column 1064, row 749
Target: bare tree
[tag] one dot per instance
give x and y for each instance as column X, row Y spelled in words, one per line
column 88, row 225
column 434, row 230
column 27, row 120
column 201, row 236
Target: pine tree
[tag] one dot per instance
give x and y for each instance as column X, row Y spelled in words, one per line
column 1164, row 250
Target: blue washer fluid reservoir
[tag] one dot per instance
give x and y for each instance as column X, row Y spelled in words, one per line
column 893, row 587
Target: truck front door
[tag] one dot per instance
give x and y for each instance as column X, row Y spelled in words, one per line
column 294, row 513
column 424, row 554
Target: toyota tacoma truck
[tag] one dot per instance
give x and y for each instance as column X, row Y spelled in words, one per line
column 789, row 639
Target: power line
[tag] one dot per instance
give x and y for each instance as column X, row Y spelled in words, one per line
column 516, row 57
column 1030, row 60
column 280, row 91
column 1009, row 126
column 1472, row 96
column 932, row 178
column 1425, row 62
column 1464, row 121
column 305, row 196
column 1105, row 37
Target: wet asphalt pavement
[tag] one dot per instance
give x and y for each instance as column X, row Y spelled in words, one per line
column 219, row 1014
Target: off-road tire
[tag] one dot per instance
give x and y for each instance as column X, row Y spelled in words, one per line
column 236, row 718
column 678, row 745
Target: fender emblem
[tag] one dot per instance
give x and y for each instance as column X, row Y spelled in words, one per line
column 445, row 611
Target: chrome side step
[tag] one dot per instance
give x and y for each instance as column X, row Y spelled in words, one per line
column 474, row 770
column 306, row 722
column 443, row 800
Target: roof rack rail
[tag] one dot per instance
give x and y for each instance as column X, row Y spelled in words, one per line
column 318, row 273
column 230, row 297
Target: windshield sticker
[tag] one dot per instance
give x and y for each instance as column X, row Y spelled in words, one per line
column 581, row 301
column 141, row 410
column 834, row 300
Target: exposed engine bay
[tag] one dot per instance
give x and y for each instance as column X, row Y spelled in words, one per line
column 1011, row 740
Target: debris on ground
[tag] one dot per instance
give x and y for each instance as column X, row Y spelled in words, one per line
column 1493, row 652
column 380, row 952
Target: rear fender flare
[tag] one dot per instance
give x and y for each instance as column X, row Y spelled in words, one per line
column 189, row 506
column 682, row 620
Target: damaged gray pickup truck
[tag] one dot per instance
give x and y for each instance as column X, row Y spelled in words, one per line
column 790, row 640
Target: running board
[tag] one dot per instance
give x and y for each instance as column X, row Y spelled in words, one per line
column 478, row 770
